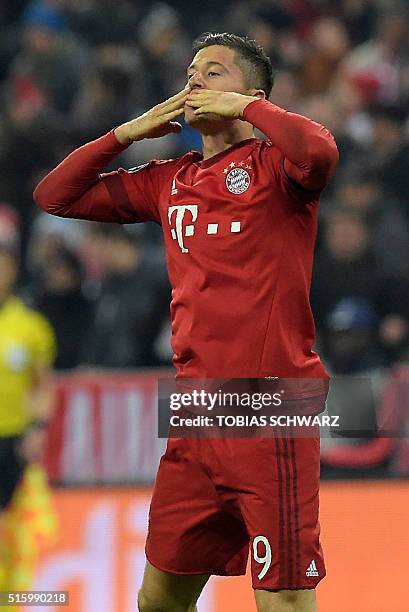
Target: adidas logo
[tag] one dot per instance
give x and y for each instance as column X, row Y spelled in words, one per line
column 312, row 569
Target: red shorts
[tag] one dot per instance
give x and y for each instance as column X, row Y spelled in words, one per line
column 214, row 499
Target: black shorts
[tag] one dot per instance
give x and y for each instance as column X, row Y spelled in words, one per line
column 11, row 468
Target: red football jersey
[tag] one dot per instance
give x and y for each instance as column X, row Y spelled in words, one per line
column 239, row 235
column 239, row 240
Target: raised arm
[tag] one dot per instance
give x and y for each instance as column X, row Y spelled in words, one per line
column 77, row 188
column 309, row 149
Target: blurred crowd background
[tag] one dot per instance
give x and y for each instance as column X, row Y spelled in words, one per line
column 70, row 70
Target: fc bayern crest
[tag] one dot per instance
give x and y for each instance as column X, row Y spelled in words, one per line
column 238, row 180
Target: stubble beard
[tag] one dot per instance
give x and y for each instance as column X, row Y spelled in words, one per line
column 210, row 125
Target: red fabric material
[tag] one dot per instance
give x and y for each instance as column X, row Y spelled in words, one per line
column 309, row 149
column 214, row 497
column 72, row 189
column 78, row 189
column 239, row 235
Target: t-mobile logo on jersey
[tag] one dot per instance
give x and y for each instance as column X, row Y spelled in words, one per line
column 189, row 230
column 181, row 231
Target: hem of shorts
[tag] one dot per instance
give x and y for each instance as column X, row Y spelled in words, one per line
column 285, row 588
column 211, row 572
column 288, row 588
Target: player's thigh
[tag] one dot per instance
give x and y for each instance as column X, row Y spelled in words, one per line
column 281, row 514
column 162, row 591
column 189, row 533
column 286, row 601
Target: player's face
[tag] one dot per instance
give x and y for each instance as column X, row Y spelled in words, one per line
column 213, row 68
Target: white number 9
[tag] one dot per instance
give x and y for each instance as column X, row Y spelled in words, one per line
column 266, row 559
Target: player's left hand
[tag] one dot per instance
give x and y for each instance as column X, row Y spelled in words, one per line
column 227, row 104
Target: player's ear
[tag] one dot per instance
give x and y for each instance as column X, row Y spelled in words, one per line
column 258, row 93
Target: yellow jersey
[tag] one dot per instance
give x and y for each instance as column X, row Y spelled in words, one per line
column 26, row 339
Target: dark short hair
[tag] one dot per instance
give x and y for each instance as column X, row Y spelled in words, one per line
column 250, row 57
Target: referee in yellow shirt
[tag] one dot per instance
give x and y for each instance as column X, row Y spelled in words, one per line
column 27, row 349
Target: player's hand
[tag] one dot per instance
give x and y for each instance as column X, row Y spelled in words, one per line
column 156, row 122
column 227, row 104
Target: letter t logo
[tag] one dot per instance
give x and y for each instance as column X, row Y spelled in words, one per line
column 189, row 229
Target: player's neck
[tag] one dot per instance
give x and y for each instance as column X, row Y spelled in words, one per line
column 216, row 143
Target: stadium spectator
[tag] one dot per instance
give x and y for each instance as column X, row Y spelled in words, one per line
column 384, row 58
column 132, row 304
column 390, row 151
column 59, row 296
column 393, row 303
column 48, row 63
column 361, row 192
column 342, row 264
column 29, row 142
column 165, row 49
column 328, row 45
column 359, row 17
column 102, row 22
column 351, row 343
column 102, row 101
column 348, row 264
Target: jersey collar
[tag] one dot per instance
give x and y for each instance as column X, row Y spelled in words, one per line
column 215, row 158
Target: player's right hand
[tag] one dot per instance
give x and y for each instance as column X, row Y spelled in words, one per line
column 156, row 122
